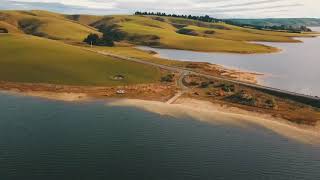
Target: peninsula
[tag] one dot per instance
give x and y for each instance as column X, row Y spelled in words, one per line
column 74, row 57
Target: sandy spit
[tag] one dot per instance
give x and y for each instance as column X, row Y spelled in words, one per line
column 216, row 114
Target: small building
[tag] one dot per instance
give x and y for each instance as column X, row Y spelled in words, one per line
column 118, row 77
column 120, row 91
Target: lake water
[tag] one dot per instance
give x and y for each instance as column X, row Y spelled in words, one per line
column 49, row 140
column 296, row 68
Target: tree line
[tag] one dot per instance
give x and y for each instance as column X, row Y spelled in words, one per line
column 207, row 18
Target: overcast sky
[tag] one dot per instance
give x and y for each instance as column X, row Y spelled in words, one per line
column 215, row 8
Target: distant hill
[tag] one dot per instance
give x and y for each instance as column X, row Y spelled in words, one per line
column 311, row 22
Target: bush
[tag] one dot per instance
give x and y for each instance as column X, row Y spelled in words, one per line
column 186, row 31
column 271, row 103
column 30, row 26
column 112, row 31
column 204, row 84
column 94, row 39
column 106, row 41
column 243, row 98
column 209, row 32
column 228, row 88
column 167, row 78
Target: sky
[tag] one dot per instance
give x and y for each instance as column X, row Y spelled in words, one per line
column 214, row 8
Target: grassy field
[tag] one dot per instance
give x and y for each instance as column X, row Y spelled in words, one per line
column 146, row 30
column 132, row 52
column 31, row 59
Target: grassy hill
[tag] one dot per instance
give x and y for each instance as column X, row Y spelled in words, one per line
column 45, row 24
column 32, row 59
column 163, row 32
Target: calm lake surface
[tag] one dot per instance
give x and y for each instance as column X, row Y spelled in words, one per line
column 49, row 140
column 296, row 68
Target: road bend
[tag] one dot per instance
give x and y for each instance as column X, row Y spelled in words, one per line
column 185, row 71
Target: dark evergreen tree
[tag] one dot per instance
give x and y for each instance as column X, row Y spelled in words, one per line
column 92, row 39
column 106, row 40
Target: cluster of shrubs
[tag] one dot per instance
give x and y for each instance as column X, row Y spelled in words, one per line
column 94, row 39
column 228, row 87
column 271, row 103
column 110, row 35
column 186, row 31
column 244, row 98
column 168, row 78
column 112, row 31
column 30, row 26
column 209, row 32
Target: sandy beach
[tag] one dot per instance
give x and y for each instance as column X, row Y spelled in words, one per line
column 200, row 110
column 220, row 115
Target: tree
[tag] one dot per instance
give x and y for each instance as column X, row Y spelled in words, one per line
column 106, row 40
column 92, row 39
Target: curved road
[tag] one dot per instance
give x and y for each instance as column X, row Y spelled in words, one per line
column 184, row 71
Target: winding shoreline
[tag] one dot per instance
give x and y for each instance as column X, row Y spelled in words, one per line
column 201, row 110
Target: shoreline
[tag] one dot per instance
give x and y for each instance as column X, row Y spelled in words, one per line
column 226, row 71
column 217, row 114
column 201, row 110
column 158, row 92
column 233, row 72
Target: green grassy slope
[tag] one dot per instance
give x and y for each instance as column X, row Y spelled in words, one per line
column 46, row 24
column 31, row 59
column 161, row 32
column 145, row 30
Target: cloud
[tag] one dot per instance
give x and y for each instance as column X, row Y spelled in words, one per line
column 217, row 8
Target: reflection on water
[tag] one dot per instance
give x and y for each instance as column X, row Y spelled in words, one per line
column 296, row 68
column 41, row 139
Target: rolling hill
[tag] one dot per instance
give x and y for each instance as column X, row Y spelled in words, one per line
column 163, row 32
column 44, row 24
column 47, row 54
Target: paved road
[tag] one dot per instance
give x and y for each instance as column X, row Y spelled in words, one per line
column 188, row 71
